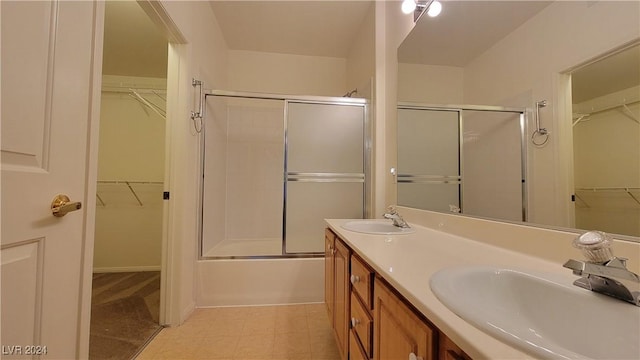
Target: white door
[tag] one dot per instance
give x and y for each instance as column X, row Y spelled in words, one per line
column 47, row 77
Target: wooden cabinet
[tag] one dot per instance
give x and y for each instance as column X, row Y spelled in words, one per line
column 329, row 277
column 337, row 289
column 398, row 332
column 449, row 350
column 370, row 319
column 361, row 279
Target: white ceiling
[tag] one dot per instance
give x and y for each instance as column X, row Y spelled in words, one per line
column 314, row 28
column 464, row 30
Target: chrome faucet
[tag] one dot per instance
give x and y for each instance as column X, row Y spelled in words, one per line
column 609, row 277
column 398, row 221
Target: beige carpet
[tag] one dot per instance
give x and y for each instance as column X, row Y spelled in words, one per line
column 124, row 313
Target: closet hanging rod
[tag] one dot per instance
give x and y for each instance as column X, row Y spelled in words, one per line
column 627, row 190
column 139, row 90
column 618, row 188
column 155, row 108
column 128, row 184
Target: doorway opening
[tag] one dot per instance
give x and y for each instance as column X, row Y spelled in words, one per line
column 606, row 142
column 126, row 289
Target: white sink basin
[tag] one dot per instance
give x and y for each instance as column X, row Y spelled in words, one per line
column 376, row 227
column 545, row 318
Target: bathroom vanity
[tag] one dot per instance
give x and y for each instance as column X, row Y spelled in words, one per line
column 370, row 318
column 380, row 298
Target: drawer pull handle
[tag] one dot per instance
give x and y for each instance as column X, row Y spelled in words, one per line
column 413, row 356
column 355, row 279
column 354, row 322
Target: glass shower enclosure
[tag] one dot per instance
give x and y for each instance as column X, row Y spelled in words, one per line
column 274, row 167
column 462, row 159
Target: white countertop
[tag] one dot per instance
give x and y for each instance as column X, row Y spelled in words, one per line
column 408, row 261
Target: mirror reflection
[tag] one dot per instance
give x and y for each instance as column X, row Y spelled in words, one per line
column 606, row 143
column 587, row 175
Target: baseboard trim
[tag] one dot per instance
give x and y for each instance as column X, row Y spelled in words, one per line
column 126, row 269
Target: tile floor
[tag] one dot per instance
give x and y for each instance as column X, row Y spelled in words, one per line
column 300, row 332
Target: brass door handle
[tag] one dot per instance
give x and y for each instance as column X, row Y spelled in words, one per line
column 61, row 205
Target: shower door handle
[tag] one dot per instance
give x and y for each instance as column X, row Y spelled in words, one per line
column 61, row 205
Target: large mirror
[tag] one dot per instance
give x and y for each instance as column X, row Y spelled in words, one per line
column 575, row 69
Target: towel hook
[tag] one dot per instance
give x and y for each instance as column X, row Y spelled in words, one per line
column 540, row 131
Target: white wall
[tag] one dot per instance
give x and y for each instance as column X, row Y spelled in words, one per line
column 430, row 84
column 287, row 74
column 128, row 236
column 525, row 67
column 361, row 58
column 203, row 56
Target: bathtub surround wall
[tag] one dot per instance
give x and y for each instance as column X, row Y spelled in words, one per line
column 128, row 235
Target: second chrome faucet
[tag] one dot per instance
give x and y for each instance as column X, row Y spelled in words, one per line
column 392, row 214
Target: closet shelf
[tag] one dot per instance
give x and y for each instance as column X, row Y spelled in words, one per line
column 129, row 186
column 628, row 190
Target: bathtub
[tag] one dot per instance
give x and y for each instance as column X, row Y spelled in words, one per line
column 237, row 282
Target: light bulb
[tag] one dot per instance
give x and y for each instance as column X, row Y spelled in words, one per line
column 434, row 9
column 408, row 6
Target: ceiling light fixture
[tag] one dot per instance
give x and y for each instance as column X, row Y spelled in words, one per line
column 418, row 7
column 435, row 9
column 408, row 6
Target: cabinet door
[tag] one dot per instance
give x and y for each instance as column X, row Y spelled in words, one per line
column 341, row 309
column 449, row 350
column 398, row 332
column 329, row 280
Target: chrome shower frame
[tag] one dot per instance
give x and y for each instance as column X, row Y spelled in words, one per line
column 367, row 189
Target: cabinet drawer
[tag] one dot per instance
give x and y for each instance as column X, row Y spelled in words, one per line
column 361, row 324
column 355, row 350
column 362, row 281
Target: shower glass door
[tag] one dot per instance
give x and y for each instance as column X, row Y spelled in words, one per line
column 325, row 172
column 274, row 168
column 429, row 159
column 493, row 164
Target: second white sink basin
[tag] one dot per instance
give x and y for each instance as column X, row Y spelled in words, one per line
column 545, row 318
column 376, row 227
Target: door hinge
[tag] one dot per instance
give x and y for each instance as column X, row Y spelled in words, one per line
column 165, row 195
